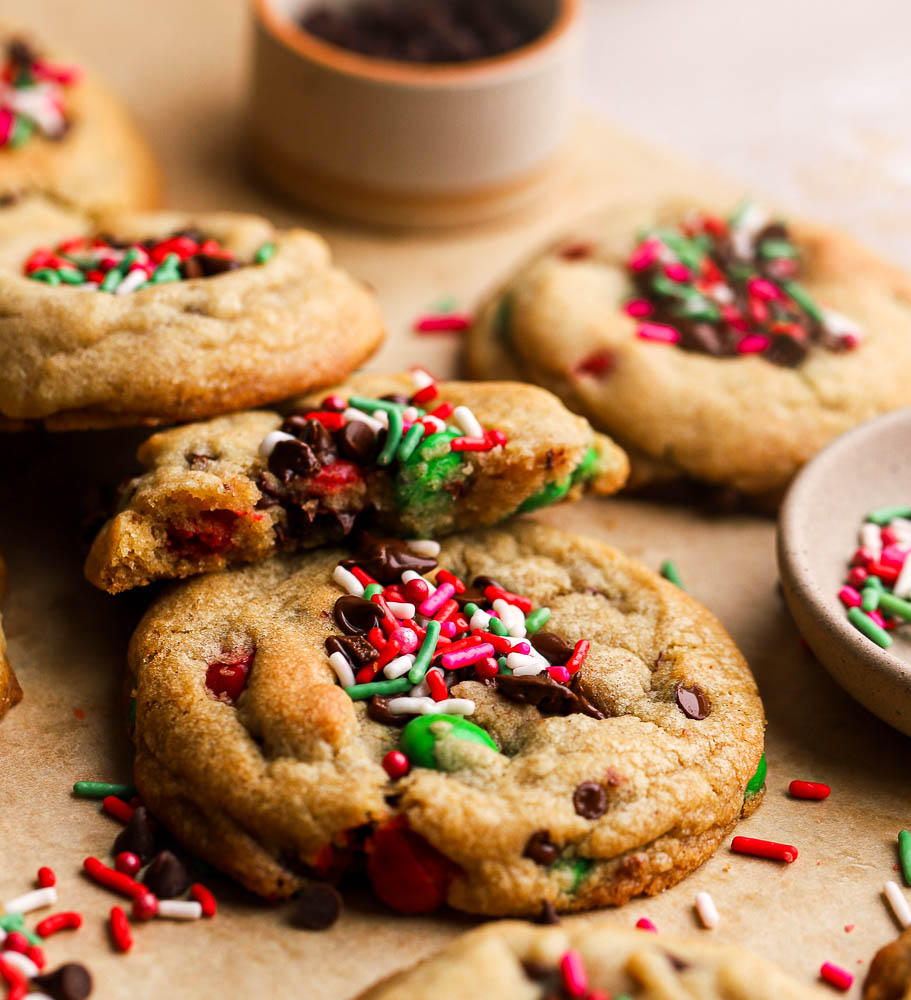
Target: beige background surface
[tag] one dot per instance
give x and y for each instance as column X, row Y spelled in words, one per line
column 820, row 133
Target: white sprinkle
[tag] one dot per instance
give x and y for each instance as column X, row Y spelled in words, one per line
column 179, row 909
column 348, row 581
column 526, row 664
column 722, row 294
column 745, row 229
column 381, row 417
column 423, row 547
column 410, row 414
column 480, row 619
column 421, row 690
column 708, row 912
column 422, row 378
column 899, row 904
column 34, row 900
column 511, row 617
column 342, row 669
column 839, row 325
column 901, row 526
column 902, row 586
column 268, row 443
column 399, row 666
column 467, row 421
column 401, row 610
column 870, row 537
column 352, row 414
column 451, row 706
column 408, row 706
column 131, row 282
column 21, row 962
column 437, row 424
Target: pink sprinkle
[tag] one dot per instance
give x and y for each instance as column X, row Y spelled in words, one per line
column 849, row 597
column 644, row 924
column 677, row 272
column 442, row 323
column 893, row 555
column 755, row 343
column 888, row 536
column 763, row 289
column 448, row 629
column 640, row 308
column 850, row 340
column 658, row 331
column 406, row 638
column 464, row 657
column 734, row 318
column 878, row 618
column 6, row 125
column 560, row 674
column 575, row 980
column 430, row 605
column 857, row 576
column 643, row 256
column 863, row 557
column 836, row 976
column 520, row 647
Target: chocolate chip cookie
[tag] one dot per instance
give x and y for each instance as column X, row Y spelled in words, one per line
column 726, row 350
column 145, row 318
column 10, row 692
column 64, row 133
column 510, row 960
column 401, row 452
column 889, row 977
column 524, row 716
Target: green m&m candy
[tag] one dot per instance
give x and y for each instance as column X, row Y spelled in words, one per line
column 421, row 735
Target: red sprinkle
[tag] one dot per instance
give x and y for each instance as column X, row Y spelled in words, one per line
column 396, row 764
column 487, row 668
column 426, row 394
column 111, row 879
column 809, row 790
column 764, row 849
column 331, row 421
column 69, row 921
column 522, row 603
column 392, row 650
column 205, row 899
column 444, row 576
column 117, row 808
column 471, row 444
column 443, row 412
column 884, row 572
column 46, row 878
column 120, row 929
column 574, row 663
column 36, row 954
column 836, row 976
column 442, row 323
column 16, row 941
column 127, row 863
column 438, row 689
column 145, row 905
column 15, row 980
column 572, row 969
column 644, row 924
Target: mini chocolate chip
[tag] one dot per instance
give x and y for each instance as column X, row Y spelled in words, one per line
column 540, row 848
column 293, row 458
column 69, row 982
column 378, row 710
column 590, row 800
column 355, row 648
column 693, row 701
column 552, row 647
column 166, row 876
column 354, row 615
column 548, row 914
column 357, row 442
column 317, row 906
column 137, row 837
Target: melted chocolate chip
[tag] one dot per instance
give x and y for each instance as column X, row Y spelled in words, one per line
column 547, row 695
column 552, row 647
column 317, row 906
column 483, row 582
column 68, row 982
column 166, row 876
column 378, row 710
column 548, row 915
column 358, row 442
column 385, row 559
column 354, row 615
column 590, row 800
column 212, row 264
column 137, row 837
column 292, row 458
column 355, row 648
column 693, row 701
column 540, row 848
column 192, row 268
column 786, row 350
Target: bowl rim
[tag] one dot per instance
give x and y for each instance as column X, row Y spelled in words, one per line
column 791, row 544
column 346, row 62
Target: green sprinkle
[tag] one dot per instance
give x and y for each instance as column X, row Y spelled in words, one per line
column 496, row 626
column 264, row 253
column 883, row 515
column 101, row 789
column 469, row 609
column 894, row 605
column 360, row 692
column 70, row 276
column 869, row 598
column 740, row 211
column 863, row 623
column 663, row 285
column 670, row 572
column 904, row 855
column 502, row 319
column 393, row 437
column 536, row 620
column 579, row 867
column 874, row 583
column 129, row 259
column 803, row 298
column 698, row 307
column 754, row 785
column 425, row 654
column 501, row 663
column 773, row 249
column 369, row 405
column 446, row 304
column 371, row 589
column 32, row 937
column 12, row 922
column 47, row 275
column 111, row 280
column 22, row 131
column 410, row 442
column 167, row 270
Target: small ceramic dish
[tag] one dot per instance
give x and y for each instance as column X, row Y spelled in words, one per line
column 409, row 144
column 817, row 534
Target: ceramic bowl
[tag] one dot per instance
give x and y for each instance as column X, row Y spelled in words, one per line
column 817, row 533
column 409, row 144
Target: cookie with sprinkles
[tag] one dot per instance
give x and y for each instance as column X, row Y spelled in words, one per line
column 596, row 960
column 889, row 977
column 63, row 132
column 400, row 453
column 508, row 717
column 723, row 349
column 10, row 692
column 144, row 318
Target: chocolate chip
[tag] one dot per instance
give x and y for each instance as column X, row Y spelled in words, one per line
column 483, row 582
column 786, row 350
column 19, row 51
column 355, row 648
column 166, row 876
column 192, row 268
column 354, row 615
column 212, row 264
column 548, row 915
column 547, row 695
column 317, row 906
column 358, row 442
column 538, row 971
column 385, row 559
column 313, row 433
column 292, row 458
column 378, row 710
column 552, row 647
column 69, row 982
column 541, row 849
column 590, row 800
column 137, row 837
column 693, row 701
